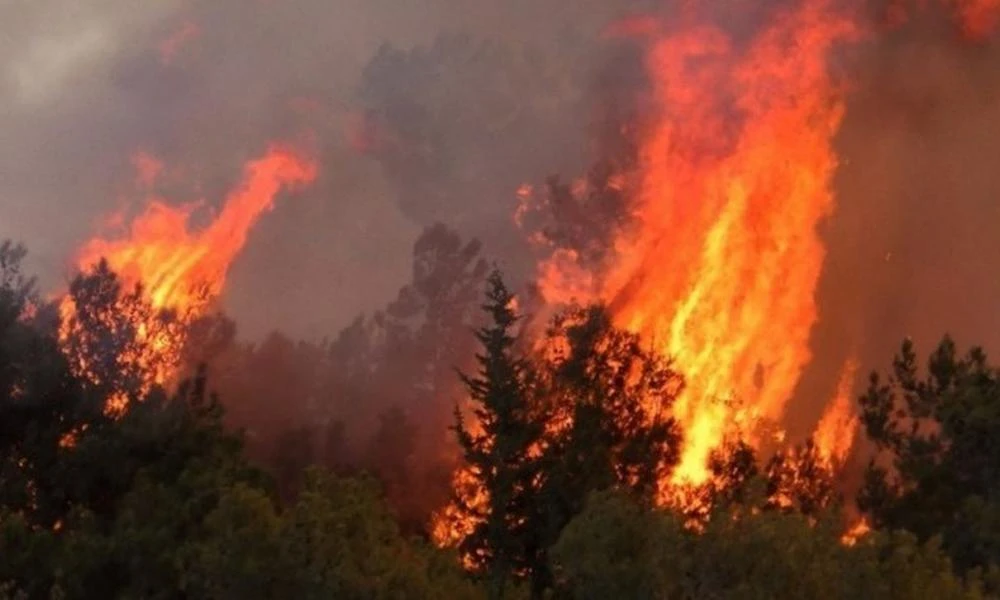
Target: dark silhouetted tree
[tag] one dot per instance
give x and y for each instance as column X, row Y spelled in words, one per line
column 609, row 399
column 938, row 430
column 498, row 446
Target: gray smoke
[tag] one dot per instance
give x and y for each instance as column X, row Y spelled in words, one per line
column 205, row 85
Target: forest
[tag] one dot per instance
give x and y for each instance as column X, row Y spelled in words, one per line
column 294, row 470
column 543, row 300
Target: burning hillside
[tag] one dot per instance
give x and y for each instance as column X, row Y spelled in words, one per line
column 707, row 219
column 707, row 245
column 719, row 265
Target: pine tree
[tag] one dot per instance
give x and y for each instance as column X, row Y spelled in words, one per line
column 497, row 449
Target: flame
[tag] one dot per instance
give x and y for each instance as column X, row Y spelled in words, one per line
column 452, row 524
column 976, row 19
column 179, row 267
column 837, row 428
column 736, row 171
column 718, row 263
column 856, row 532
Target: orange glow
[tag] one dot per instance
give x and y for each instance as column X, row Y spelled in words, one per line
column 363, row 133
column 179, row 267
column 451, row 524
column 171, row 260
column 976, row 19
column 836, row 429
column 722, row 273
column 856, row 532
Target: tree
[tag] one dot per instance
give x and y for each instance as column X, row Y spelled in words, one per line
column 390, row 454
column 42, row 405
column 798, row 479
column 616, row 548
column 609, row 400
column 115, row 340
column 342, row 540
column 938, row 432
column 294, row 451
column 238, row 552
column 498, row 446
column 435, row 107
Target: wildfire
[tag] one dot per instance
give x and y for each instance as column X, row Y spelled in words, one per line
column 836, row 430
column 452, row 524
column 718, row 260
column 856, row 532
column 735, row 178
column 180, row 268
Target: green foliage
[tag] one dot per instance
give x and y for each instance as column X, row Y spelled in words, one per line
column 618, row 549
column 345, row 542
column 160, row 500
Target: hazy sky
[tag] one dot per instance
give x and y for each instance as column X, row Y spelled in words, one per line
column 204, row 86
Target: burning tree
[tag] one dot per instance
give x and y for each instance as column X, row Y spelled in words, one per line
column 115, row 340
column 590, row 412
column 127, row 317
column 499, row 449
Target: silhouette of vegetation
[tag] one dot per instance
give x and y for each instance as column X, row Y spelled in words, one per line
column 184, row 493
column 937, row 473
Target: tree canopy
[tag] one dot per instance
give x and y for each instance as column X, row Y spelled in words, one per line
column 564, row 437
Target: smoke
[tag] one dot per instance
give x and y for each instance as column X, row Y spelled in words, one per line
column 493, row 91
column 912, row 248
column 457, row 104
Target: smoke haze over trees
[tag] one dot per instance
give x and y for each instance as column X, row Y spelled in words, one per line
column 158, row 497
column 321, row 387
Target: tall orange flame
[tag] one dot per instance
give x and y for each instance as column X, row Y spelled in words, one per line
column 837, row 428
column 181, row 268
column 170, row 260
column 736, row 177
